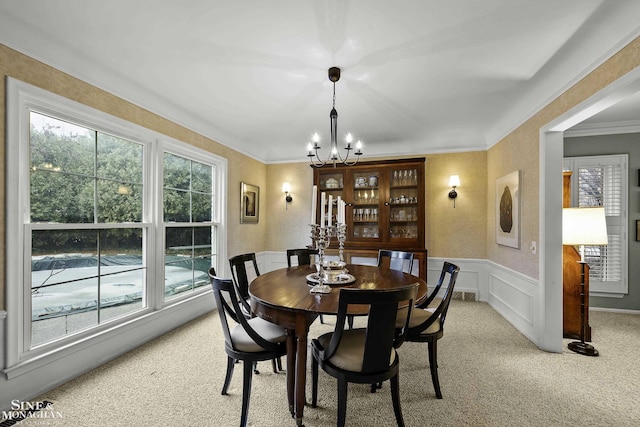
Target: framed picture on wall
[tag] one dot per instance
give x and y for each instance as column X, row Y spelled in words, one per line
column 249, row 203
column 508, row 210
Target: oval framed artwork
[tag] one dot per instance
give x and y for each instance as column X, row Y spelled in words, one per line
column 508, row 210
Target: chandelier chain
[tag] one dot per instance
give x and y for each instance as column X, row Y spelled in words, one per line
column 334, row 94
column 334, row 154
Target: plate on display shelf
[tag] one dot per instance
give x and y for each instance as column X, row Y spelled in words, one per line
column 340, row 279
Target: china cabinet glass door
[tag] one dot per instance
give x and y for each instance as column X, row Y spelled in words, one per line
column 365, row 212
column 403, row 204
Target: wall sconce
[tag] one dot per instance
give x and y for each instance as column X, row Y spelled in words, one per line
column 454, row 181
column 286, row 189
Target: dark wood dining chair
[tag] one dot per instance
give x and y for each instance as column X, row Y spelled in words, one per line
column 249, row 340
column 426, row 324
column 397, row 260
column 364, row 355
column 241, row 266
column 240, row 274
column 303, row 256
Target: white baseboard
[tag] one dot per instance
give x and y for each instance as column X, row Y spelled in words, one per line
column 615, row 310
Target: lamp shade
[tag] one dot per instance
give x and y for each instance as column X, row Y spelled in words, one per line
column 584, row 226
column 454, row 181
column 286, row 188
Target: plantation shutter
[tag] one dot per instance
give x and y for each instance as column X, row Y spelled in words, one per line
column 602, row 181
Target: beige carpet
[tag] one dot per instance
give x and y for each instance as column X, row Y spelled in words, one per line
column 490, row 375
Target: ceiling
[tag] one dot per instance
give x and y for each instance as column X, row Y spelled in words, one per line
column 417, row 76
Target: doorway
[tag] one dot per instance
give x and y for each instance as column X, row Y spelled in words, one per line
column 551, row 156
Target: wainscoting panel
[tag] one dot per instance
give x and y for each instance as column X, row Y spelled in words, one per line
column 470, row 279
column 516, row 297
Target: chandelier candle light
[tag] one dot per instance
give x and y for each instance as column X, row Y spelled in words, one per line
column 334, row 155
column 328, row 272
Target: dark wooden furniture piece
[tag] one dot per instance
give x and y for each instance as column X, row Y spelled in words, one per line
column 250, row 340
column 385, row 207
column 364, row 355
column 303, row 255
column 571, row 270
column 240, row 275
column 282, row 296
column 428, row 325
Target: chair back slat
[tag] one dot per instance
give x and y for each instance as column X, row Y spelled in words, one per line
column 381, row 334
column 303, row 255
column 219, row 287
column 240, row 273
column 395, row 260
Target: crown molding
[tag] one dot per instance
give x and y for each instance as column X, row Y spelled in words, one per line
column 604, row 128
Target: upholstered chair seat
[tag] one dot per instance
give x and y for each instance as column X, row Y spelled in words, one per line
column 350, row 354
column 267, row 330
column 418, row 317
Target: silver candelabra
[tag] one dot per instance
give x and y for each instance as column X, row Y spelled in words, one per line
column 321, row 238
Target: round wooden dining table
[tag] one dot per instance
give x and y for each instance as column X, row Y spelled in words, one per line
column 283, row 297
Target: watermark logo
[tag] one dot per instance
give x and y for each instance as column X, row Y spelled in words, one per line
column 30, row 413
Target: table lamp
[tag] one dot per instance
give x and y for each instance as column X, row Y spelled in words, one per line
column 580, row 227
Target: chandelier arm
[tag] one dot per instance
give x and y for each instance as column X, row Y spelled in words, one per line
column 313, row 163
column 345, row 162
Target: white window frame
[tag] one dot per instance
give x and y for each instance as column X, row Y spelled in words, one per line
column 22, row 98
column 173, row 146
column 597, row 288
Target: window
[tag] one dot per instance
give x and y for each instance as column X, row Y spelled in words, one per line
column 602, row 181
column 82, row 277
column 189, row 230
column 83, row 222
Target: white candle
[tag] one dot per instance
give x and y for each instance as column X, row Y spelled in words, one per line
column 314, row 197
column 323, row 203
column 342, row 214
column 339, row 205
column 330, row 210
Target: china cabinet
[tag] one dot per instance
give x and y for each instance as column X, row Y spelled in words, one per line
column 385, row 206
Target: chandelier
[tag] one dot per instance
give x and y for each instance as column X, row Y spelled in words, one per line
column 334, row 155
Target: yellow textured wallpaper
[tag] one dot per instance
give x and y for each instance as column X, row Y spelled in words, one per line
column 520, row 150
column 289, row 225
column 458, row 232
